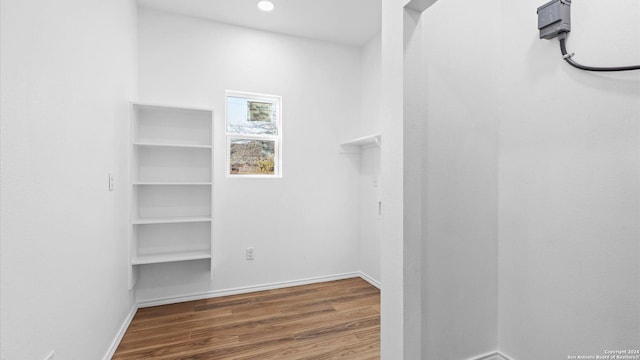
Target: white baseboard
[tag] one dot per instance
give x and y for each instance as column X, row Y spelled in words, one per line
column 496, row 355
column 123, row 329
column 244, row 290
column 370, row 280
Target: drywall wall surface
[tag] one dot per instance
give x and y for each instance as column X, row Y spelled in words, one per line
column 371, row 90
column 569, row 185
column 391, row 299
column 369, row 211
column 413, row 103
column 302, row 226
column 67, row 72
column 460, row 179
column 370, row 188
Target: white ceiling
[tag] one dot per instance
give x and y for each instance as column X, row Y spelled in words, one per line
column 351, row 22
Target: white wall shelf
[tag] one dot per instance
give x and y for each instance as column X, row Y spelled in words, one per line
column 169, row 107
column 172, row 145
column 169, row 220
column 167, row 258
column 172, row 183
column 171, row 157
column 364, row 140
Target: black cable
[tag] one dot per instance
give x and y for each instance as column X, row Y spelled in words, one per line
column 563, row 47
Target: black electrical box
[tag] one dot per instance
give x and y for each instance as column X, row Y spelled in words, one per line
column 554, row 18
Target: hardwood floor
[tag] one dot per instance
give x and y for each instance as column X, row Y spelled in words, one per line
column 331, row 320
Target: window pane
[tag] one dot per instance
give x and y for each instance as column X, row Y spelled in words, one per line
column 252, row 116
column 252, row 157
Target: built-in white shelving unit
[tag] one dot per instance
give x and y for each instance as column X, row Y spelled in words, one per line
column 171, row 190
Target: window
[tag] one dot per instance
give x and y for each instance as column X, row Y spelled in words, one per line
column 254, row 135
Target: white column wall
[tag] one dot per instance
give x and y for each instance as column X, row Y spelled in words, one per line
column 460, row 179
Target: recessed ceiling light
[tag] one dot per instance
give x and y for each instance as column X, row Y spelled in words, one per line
column 266, row 5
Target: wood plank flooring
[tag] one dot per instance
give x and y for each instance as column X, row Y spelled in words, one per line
column 331, row 320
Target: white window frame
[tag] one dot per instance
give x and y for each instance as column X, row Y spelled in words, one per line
column 277, row 169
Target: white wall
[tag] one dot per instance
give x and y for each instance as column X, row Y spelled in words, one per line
column 394, row 336
column 567, row 181
column 563, row 183
column 569, row 185
column 371, row 92
column 414, row 105
column 67, row 73
column 369, row 171
column 302, row 226
column 460, row 173
column 370, row 219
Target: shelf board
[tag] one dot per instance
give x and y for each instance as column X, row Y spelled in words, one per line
column 172, row 145
column 192, row 183
column 165, row 258
column 170, row 220
column 365, row 140
column 141, row 104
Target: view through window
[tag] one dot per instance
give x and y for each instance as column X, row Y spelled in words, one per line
column 254, row 135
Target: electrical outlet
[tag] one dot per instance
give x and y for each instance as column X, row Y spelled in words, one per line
column 111, row 182
column 50, row 356
column 250, row 253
